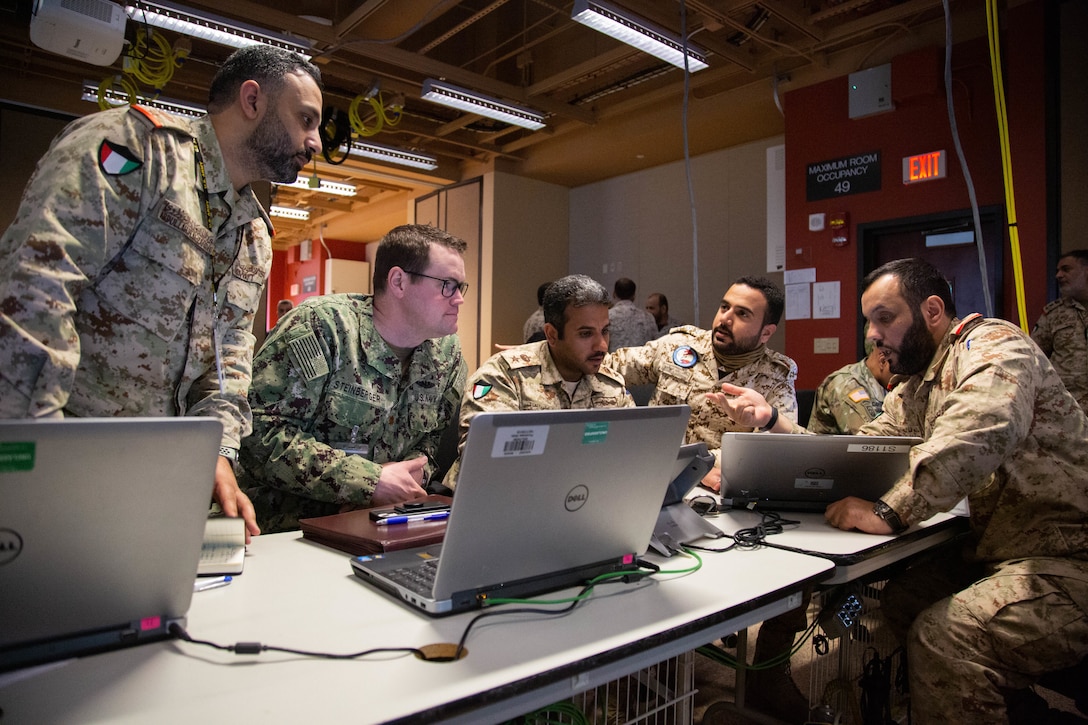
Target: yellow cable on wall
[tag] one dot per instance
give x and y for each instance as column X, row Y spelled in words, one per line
column 1006, row 160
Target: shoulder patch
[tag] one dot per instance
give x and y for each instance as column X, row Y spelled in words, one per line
column 117, row 160
column 967, row 323
column 1053, row 305
column 685, row 356
column 479, row 390
column 307, row 358
column 858, row 395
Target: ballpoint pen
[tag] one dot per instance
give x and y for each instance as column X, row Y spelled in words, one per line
column 408, row 518
column 203, row 585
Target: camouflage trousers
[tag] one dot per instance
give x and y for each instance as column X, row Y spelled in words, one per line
column 980, row 640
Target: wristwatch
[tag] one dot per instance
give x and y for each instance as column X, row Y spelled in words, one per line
column 231, row 453
column 888, row 514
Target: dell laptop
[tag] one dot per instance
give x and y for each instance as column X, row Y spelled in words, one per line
column 786, row 472
column 101, row 522
column 545, row 500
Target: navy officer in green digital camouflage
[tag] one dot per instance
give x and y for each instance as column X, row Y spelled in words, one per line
column 351, row 392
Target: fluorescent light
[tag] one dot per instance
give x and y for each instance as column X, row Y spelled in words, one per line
column 326, row 187
column 118, row 97
column 212, row 28
column 473, row 102
column 288, row 212
column 391, row 154
column 638, row 32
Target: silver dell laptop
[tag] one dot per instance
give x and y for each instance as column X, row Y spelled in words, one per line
column 101, row 522
column 780, row 471
column 545, row 500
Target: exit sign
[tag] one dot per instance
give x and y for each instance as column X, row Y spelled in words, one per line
column 924, row 167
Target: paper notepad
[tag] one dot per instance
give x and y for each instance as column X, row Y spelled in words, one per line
column 224, row 547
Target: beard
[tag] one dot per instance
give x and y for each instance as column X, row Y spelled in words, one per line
column 272, row 150
column 735, row 345
column 916, row 351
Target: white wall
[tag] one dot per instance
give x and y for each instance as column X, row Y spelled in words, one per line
column 640, row 226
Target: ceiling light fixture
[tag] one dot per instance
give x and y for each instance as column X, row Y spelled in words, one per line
column 473, row 102
column 322, row 186
column 206, row 26
column 288, row 212
column 390, row 154
column 117, row 97
column 638, row 32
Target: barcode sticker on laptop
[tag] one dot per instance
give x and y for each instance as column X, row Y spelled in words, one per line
column 520, row 441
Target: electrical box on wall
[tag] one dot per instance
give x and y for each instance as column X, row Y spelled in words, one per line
column 346, row 275
column 871, row 91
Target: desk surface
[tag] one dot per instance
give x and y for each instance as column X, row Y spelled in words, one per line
column 301, row 595
column 855, row 554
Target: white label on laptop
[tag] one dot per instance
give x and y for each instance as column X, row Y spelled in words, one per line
column 877, row 447
column 520, row 441
column 814, row 484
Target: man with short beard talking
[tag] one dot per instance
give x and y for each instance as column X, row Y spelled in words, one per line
column 982, row 621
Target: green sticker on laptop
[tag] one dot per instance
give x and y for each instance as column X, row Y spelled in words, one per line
column 595, row 432
column 16, row 456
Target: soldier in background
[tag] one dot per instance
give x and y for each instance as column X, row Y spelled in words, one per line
column 131, row 276
column 566, row 370
column 533, row 329
column 630, row 324
column 851, row 396
column 1062, row 330
column 352, row 392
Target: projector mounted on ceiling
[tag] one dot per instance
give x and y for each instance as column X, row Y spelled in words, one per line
column 89, row 30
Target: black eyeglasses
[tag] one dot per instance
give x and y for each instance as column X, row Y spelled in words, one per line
column 449, row 286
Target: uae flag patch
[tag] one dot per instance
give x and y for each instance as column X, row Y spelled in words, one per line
column 116, row 160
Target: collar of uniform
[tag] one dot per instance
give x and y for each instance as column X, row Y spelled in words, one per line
column 378, row 353
column 939, row 357
column 242, row 203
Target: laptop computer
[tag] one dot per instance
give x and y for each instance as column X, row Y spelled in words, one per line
column 677, row 524
column 545, row 500
column 781, row 471
column 101, row 522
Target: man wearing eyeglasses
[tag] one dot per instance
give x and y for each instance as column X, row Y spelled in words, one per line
column 351, row 394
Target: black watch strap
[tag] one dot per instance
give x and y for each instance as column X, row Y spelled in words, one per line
column 889, row 515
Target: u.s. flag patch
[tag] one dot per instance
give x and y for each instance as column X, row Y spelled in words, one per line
column 116, row 160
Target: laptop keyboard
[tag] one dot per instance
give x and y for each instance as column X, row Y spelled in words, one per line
column 418, row 577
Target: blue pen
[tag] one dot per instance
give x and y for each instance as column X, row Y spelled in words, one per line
column 408, row 518
column 203, row 585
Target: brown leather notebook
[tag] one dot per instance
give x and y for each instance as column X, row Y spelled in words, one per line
column 355, row 532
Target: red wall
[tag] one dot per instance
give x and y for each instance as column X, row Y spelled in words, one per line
column 818, row 128
column 288, row 269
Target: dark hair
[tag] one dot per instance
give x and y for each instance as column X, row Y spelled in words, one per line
column 575, row 290
column 540, row 293
column 772, row 293
column 662, row 300
column 624, row 288
column 1081, row 255
column 262, row 63
column 918, row 280
column 409, row 247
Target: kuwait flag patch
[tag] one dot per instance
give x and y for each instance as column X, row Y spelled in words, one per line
column 116, row 160
column 479, row 390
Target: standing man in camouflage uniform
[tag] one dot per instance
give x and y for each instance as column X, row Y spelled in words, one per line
column 687, row 364
column 631, row 325
column 1062, row 330
column 851, row 396
column 131, row 275
column 998, row 425
column 564, row 371
column 352, row 392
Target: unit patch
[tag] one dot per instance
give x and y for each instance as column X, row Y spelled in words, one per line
column 116, row 160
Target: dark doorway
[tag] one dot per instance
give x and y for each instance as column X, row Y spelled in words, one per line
column 946, row 240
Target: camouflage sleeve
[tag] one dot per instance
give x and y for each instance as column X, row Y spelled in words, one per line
column 71, row 217
column 843, row 405
column 491, row 388
column 1043, row 334
column 451, row 402
column 986, row 415
column 287, row 398
column 637, row 365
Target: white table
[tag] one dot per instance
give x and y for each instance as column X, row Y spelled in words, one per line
column 298, row 594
